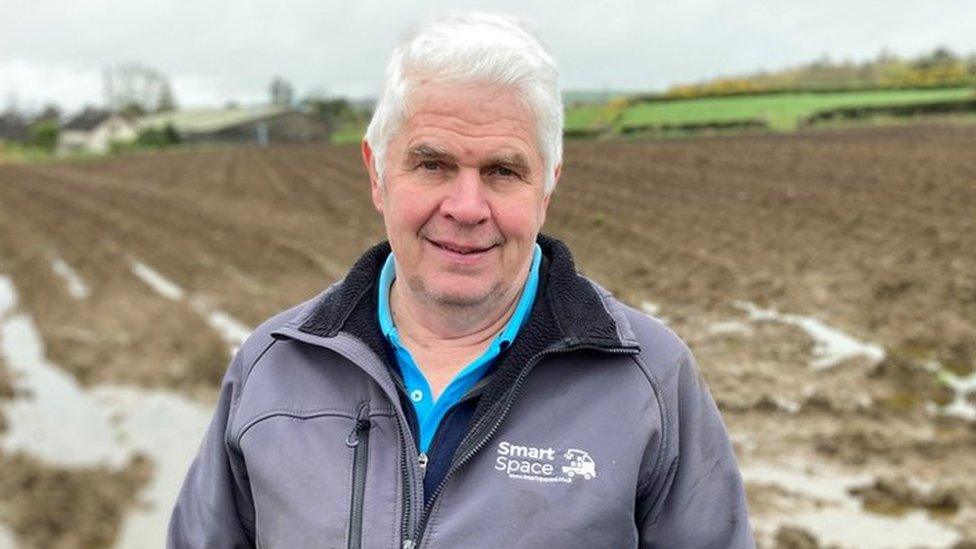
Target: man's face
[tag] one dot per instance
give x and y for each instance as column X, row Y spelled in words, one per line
column 463, row 194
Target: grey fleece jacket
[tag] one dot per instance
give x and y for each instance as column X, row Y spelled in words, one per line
column 595, row 430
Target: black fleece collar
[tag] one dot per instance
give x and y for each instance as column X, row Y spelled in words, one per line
column 569, row 301
column 568, row 312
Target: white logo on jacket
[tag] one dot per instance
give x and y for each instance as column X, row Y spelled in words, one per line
column 543, row 464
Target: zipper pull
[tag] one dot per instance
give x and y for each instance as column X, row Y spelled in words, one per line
column 408, row 544
column 422, row 461
column 362, row 424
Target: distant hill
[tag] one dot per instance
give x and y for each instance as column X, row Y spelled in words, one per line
column 823, row 91
column 939, row 68
column 591, row 96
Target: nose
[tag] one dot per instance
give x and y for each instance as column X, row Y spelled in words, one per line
column 466, row 201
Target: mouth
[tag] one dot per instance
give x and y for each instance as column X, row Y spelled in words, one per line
column 460, row 248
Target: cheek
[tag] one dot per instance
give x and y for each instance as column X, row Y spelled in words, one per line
column 518, row 219
column 405, row 211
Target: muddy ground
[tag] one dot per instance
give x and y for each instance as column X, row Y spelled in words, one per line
column 49, row 506
column 6, row 393
column 870, row 231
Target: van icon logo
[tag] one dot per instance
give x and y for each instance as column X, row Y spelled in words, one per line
column 544, row 464
column 580, row 463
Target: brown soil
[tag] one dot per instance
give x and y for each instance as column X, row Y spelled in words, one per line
column 6, row 392
column 895, row 495
column 789, row 537
column 869, row 230
column 6, row 384
column 49, row 507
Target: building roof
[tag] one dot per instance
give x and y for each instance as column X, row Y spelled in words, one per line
column 88, row 119
column 208, row 120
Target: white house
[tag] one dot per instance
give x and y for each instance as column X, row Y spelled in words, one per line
column 94, row 131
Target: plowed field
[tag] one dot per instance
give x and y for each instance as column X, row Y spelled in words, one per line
column 756, row 250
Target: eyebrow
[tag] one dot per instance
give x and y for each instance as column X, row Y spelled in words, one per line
column 429, row 152
column 425, row 151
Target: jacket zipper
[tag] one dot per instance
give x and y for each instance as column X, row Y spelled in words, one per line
column 509, row 402
column 407, row 487
column 407, row 542
column 358, row 440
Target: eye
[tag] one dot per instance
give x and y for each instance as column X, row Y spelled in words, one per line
column 430, row 165
column 502, row 171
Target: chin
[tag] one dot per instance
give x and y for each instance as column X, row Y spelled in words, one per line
column 458, row 299
column 458, row 295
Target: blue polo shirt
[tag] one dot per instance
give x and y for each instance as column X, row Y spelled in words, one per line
column 429, row 411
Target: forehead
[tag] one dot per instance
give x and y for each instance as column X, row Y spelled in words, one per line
column 469, row 120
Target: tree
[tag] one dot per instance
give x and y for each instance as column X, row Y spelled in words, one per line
column 282, row 94
column 44, row 135
column 50, row 112
column 167, row 102
column 939, row 57
column 135, row 89
column 334, row 110
column 158, row 137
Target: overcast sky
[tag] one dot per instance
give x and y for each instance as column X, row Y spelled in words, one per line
column 220, row 50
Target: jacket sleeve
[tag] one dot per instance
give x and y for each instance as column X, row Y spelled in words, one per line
column 694, row 496
column 214, row 508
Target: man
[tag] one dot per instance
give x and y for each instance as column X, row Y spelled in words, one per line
column 463, row 386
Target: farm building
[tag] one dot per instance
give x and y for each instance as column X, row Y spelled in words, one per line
column 259, row 125
column 13, row 126
column 94, row 130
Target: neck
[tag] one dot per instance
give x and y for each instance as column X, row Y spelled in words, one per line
column 444, row 326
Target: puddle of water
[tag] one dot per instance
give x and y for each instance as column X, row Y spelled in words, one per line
column 653, row 309
column 76, row 286
column 8, row 297
column 58, row 422
column 733, row 327
column 230, row 328
column 963, row 404
column 159, row 283
column 839, row 518
column 232, row 331
column 650, row 307
column 62, row 423
column 7, row 539
column 168, row 428
column 831, row 346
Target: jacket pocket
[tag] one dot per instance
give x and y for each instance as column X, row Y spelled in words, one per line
column 358, row 442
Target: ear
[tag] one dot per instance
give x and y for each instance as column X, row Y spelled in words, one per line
column 548, row 196
column 374, row 181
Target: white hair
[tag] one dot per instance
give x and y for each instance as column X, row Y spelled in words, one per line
column 473, row 48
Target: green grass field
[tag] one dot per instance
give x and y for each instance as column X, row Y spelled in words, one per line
column 348, row 133
column 781, row 111
column 589, row 116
